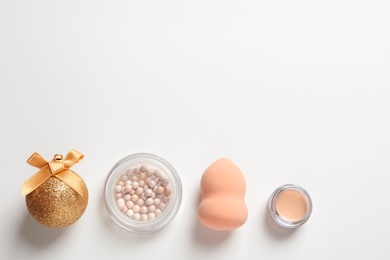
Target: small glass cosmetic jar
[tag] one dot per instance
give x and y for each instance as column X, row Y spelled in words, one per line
column 142, row 193
column 290, row 206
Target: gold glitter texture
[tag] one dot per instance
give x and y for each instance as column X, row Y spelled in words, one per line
column 55, row 204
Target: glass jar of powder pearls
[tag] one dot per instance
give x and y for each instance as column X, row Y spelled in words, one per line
column 142, row 193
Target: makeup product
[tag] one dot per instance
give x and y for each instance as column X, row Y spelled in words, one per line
column 290, row 206
column 223, row 192
column 143, row 192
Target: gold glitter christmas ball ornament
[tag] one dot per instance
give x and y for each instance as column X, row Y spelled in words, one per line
column 55, row 204
column 55, row 196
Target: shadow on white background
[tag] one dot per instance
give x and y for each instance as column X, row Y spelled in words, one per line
column 275, row 231
column 36, row 235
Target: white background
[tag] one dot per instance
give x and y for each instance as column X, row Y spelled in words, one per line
column 291, row 91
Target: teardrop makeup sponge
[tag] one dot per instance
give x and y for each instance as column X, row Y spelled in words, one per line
column 223, row 192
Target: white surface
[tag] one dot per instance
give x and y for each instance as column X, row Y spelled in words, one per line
column 291, row 91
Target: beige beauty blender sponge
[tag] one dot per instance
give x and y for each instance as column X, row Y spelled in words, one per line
column 223, row 192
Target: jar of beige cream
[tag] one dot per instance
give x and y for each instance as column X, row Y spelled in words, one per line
column 290, row 206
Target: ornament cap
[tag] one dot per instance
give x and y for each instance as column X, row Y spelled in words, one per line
column 58, row 157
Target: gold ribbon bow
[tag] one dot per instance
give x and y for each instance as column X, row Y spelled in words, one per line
column 58, row 168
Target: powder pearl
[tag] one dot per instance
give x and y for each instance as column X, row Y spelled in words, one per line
column 135, row 185
column 136, row 208
column 148, row 192
column 127, row 197
column 121, row 201
column 134, row 178
column 157, row 173
column 153, row 195
column 144, row 168
column 134, row 197
column 141, row 183
column 130, row 213
column 167, row 192
column 144, row 209
column 120, row 182
column 149, row 173
column 129, row 173
column 149, row 201
column 152, row 208
column 118, row 195
column 136, row 171
column 151, row 216
column 136, row 216
column 156, row 201
column 143, row 196
column 124, row 177
column 164, row 182
column 147, row 180
column 129, row 204
column 128, row 188
column 152, row 184
column 132, row 192
column 142, row 175
column 118, row 188
column 158, row 212
column 144, row 217
column 160, row 190
column 121, row 206
column 125, row 209
column 128, row 182
column 161, row 206
column 139, row 191
column 165, row 199
column 140, row 202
